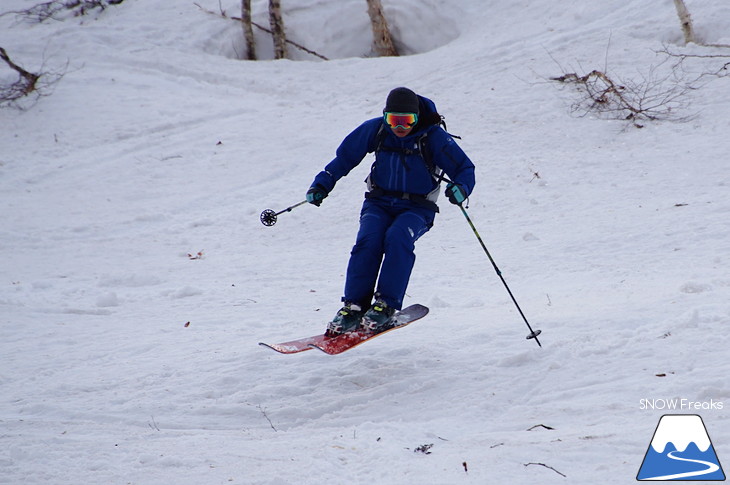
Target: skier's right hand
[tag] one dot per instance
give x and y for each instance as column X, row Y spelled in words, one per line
column 316, row 194
column 455, row 193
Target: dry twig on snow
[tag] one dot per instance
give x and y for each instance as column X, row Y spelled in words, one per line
column 29, row 86
column 55, row 9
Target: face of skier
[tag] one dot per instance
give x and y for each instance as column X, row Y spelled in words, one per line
column 401, row 123
column 400, row 132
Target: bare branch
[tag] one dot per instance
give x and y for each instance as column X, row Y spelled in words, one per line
column 263, row 411
column 546, row 466
column 54, row 9
column 24, row 86
column 540, row 425
column 722, row 71
column 652, row 97
column 29, row 85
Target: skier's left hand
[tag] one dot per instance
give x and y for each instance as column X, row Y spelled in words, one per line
column 455, row 193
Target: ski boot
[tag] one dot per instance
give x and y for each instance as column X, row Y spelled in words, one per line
column 379, row 318
column 346, row 320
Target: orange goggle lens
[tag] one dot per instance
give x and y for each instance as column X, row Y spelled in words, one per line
column 405, row 120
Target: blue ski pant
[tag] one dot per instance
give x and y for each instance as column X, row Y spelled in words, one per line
column 384, row 250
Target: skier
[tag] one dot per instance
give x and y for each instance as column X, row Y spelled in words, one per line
column 412, row 151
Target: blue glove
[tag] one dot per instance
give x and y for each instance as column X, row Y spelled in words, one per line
column 455, row 193
column 316, row 194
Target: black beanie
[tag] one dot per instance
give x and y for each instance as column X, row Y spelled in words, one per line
column 402, row 100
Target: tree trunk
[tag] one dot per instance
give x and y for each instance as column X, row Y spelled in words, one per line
column 248, row 30
column 686, row 21
column 381, row 33
column 277, row 29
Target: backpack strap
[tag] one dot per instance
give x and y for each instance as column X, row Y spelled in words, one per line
column 379, row 137
column 426, row 153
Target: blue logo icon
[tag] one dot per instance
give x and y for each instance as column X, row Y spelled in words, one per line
column 681, row 450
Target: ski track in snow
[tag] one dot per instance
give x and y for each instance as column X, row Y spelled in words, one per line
column 128, row 357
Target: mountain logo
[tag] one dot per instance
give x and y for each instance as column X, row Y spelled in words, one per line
column 681, row 450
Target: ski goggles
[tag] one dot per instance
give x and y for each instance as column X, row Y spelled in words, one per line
column 404, row 120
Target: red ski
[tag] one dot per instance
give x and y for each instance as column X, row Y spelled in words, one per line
column 349, row 340
column 299, row 345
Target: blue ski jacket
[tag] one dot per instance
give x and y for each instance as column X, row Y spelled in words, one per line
column 400, row 167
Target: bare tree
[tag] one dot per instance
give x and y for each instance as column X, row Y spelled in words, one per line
column 381, row 33
column 277, row 29
column 224, row 15
column 248, row 30
column 686, row 21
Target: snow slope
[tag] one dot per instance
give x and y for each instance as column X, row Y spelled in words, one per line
column 158, row 144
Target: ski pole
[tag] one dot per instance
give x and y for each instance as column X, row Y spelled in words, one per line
column 533, row 333
column 268, row 216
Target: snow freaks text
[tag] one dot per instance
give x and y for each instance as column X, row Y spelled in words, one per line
column 677, row 404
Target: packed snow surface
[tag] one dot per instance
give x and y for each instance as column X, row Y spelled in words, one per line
column 137, row 279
